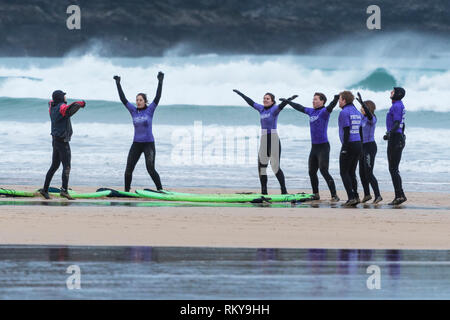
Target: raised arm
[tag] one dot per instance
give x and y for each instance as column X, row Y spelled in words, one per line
column 119, row 89
column 159, row 89
column 250, row 102
column 369, row 114
column 333, row 103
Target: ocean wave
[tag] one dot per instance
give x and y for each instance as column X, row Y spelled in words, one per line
column 209, row 80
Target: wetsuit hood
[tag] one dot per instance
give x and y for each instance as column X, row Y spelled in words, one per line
column 399, row 93
column 58, row 96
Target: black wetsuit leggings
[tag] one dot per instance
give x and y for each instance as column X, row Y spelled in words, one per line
column 366, row 164
column 395, row 147
column 266, row 154
column 137, row 148
column 319, row 158
column 61, row 154
column 347, row 165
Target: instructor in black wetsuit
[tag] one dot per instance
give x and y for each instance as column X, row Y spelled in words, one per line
column 319, row 156
column 60, row 114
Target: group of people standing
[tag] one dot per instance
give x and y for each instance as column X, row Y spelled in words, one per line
column 143, row 141
column 356, row 132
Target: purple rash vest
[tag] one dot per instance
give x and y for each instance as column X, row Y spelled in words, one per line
column 369, row 129
column 318, row 124
column 142, row 121
column 269, row 116
column 350, row 117
column 396, row 113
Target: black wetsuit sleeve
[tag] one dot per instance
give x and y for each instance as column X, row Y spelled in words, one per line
column 369, row 114
column 283, row 104
column 346, row 138
column 158, row 93
column 73, row 108
column 332, row 104
column 395, row 127
column 247, row 99
column 121, row 94
column 296, row 106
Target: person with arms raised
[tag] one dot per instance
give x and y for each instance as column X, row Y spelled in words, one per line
column 319, row 157
column 270, row 146
column 369, row 151
column 143, row 142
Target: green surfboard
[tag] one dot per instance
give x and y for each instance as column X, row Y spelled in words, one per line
column 16, row 193
column 191, row 197
column 76, row 195
column 119, row 194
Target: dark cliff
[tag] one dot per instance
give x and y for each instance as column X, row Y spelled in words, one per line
column 143, row 28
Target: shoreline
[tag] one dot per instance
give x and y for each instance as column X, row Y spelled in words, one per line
column 424, row 225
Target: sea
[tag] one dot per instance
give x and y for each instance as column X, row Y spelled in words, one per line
column 206, row 135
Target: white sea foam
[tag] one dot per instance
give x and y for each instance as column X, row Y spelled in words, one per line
column 209, row 80
column 99, row 153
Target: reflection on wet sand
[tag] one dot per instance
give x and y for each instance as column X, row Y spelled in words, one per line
column 144, row 203
column 213, row 273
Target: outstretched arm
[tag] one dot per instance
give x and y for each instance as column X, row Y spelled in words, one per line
column 159, row 89
column 74, row 107
column 70, row 110
column 369, row 114
column 119, row 89
column 333, row 103
column 285, row 102
column 247, row 99
column 296, row 106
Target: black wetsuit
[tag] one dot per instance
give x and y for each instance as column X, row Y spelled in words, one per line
column 395, row 123
column 137, row 148
column 395, row 147
column 347, row 166
column 350, row 132
column 319, row 157
column 60, row 114
column 369, row 151
column 366, row 165
column 143, row 138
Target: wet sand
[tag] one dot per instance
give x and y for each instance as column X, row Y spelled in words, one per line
column 423, row 222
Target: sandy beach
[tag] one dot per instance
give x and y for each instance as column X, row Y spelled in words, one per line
column 423, row 222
